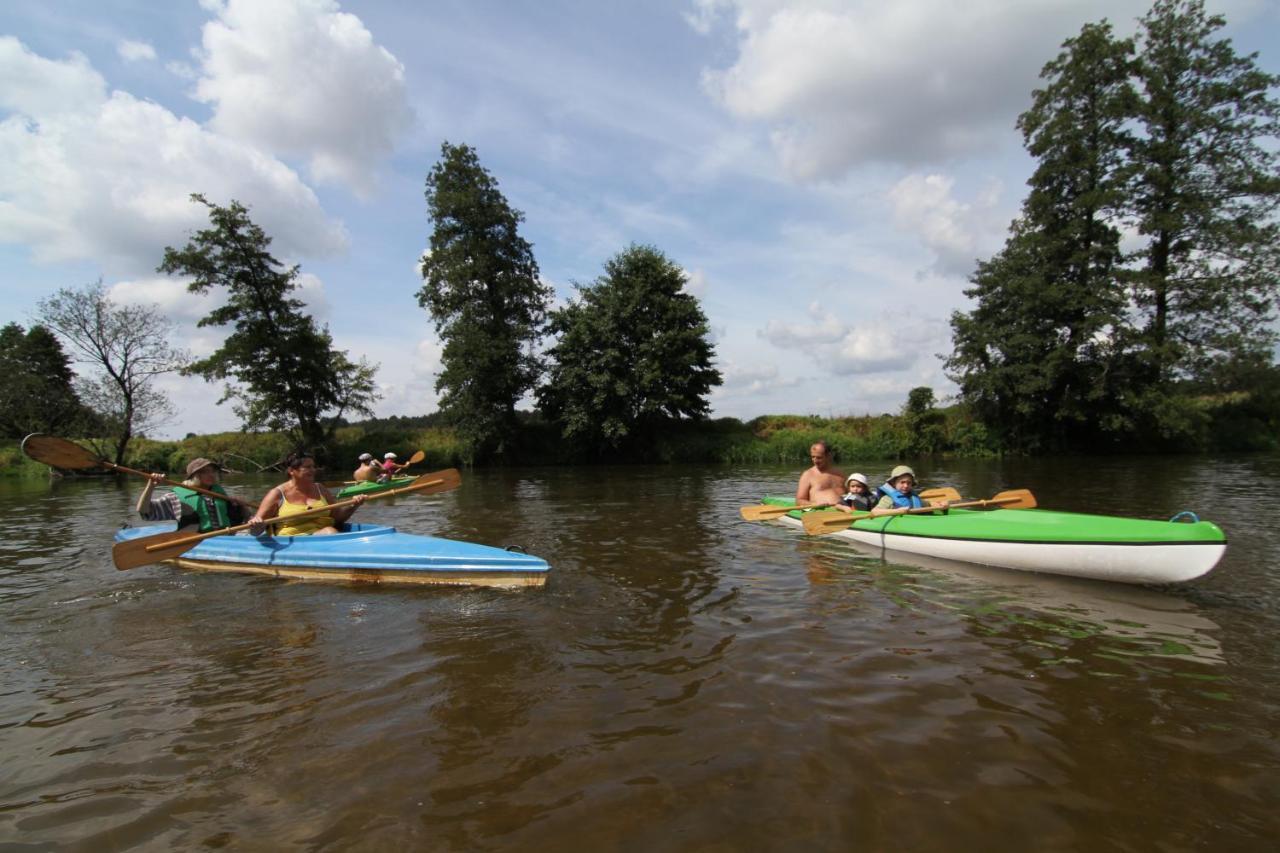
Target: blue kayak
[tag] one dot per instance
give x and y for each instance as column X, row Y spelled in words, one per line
column 368, row 553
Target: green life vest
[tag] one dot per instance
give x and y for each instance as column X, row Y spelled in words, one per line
column 201, row 505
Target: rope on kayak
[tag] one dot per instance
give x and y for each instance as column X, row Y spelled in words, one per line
column 518, row 549
column 1186, row 514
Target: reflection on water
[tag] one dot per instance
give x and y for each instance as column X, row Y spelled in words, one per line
column 685, row 681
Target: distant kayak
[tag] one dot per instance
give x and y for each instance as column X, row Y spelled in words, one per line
column 1100, row 547
column 365, row 553
column 372, row 488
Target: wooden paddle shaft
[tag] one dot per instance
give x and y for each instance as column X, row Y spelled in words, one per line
column 169, row 482
column 312, row 513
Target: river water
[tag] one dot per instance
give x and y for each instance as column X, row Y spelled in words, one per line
column 685, row 681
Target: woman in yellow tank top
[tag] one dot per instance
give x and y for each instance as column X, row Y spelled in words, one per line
column 301, row 494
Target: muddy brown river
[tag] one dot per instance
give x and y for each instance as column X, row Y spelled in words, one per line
column 685, row 681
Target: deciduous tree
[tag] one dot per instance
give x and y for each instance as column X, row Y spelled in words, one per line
column 633, row 353
column 126, row 348
column 281, row 369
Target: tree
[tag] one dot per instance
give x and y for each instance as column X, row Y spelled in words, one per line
column 126, row 348
column 632, row 355
column 1029, row 357
column 1204, row 184
column 282, row 371
column 924, row 424
column 37, row 393
column 481, row 285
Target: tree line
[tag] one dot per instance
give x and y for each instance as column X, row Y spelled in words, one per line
column 1135, row 295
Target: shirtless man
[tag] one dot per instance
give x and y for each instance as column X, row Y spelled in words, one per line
column 368, row 470
column 821, row 484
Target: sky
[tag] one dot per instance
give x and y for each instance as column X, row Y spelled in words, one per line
column 826, row 173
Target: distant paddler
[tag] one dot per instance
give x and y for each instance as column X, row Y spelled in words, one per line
column 189, row 507
column 369, row 469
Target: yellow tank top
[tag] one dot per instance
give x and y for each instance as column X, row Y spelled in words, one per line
column 306, row 525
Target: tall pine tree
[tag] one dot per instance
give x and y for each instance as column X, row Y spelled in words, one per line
column 1029, row 357
column 1204, row 188
column 481, row 286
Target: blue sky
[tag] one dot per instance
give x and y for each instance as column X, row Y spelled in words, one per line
column 825, row 172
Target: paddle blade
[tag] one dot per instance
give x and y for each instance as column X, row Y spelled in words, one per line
column 764, row 512
column 134, row 552
column 416, row 458
column 429, row 484
column 943, row 493
column 58, row 452
column 1015, row 499
column 818, row 523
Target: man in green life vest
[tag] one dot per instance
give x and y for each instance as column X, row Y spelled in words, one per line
column 189, row 507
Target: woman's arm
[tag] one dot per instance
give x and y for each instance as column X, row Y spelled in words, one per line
column 341, row 515
column 266, row 510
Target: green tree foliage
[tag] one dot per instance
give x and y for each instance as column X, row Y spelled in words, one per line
column 1028, row 358
column 1204, row 184
column 37, row 393
column 1072, row 340
column 281, row 369
column 481, row 285
column 126, row 348
column 923, row 424
column 632, row 355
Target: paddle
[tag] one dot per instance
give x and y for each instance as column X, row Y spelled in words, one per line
column 166, row 546
column 68, row 455
column 338, row 484
column 832, row 522
column 764, row 512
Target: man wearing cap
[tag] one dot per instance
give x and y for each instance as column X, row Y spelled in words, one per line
column 821, row 485
column 899, row 491
column 190, row 507
column 368, row 470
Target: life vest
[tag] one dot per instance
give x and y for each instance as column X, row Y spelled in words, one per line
column 211, row 512
column 861, row 503
column 901, row 501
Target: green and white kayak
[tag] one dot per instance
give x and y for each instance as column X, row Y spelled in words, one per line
column 1101, row 547
column 372, row 488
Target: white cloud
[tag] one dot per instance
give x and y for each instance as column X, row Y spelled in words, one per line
column 300, row 77
column 89, row 175
column 34, row 85
column 135, row 51
column 170, row 295
column 894, row 341
column 844, row 82
column 741, row 380
column 956, row 232
column 696, row 283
